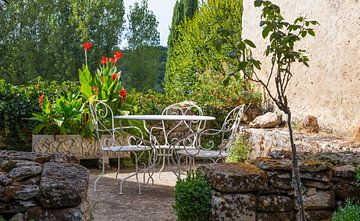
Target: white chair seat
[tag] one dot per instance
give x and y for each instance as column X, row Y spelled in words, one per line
column 203, row 153
column 127, row 148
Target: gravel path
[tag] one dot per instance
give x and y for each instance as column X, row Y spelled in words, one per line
column 154, row 203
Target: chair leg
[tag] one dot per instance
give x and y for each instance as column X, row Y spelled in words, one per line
column 118, row 168
column 102, row 173
column 137, row 173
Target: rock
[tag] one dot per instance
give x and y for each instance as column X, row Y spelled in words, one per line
column 275, row 216
column 318, row 215
column 23, row 172
column 313, row 166
column 320, row 200
column 345, row 188
column 357, row 135
column 240, row 177
column 17, row 217
column 310, row 124
column 280, row 179
column 17, row 191
column 273, row 164
column 316, row 184
column 17, row 206
column 29, row 156
column 323, row 176
column 347, row 171
column 63, row 185
column 268, row 120
column 274, row 203
column 251, row 114
column 27, row 192
column 65, row 158
column 233, row 207
column 4, row 179
column 79, row 213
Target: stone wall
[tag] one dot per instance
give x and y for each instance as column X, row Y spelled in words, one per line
column 262, row 191
column 329, row 88
column 43, row 187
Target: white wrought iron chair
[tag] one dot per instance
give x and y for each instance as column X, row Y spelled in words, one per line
column 114, row 139
column 206, row 149
column 171, row 131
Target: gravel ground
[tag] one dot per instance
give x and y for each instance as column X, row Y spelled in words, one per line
column 154, row 203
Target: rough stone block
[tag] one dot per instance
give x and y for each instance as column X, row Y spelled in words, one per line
column 275, row 216
column 274, row 203
column 24, row 172
column 235, row 178
column 79, row 213
column 318, row 215
column 345, row 188
column 347, row 171
column 320, row 200
column 63, row 185
column 233, row 207
column 17, row 206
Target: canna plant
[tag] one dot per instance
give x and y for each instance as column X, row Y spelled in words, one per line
column 105, row 84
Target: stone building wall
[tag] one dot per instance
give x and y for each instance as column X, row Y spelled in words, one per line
column 330, row 88
column 43, row 187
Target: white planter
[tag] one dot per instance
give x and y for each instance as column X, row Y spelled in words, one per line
column 84, row 148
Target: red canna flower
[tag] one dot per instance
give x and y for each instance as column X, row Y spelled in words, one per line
column 112, row 60
column 41, row 100
column 114, row 76
column 122, row 94
column 104, row 60
column 95, row 89
column 118, row 55
column 102, row 78
column 86, row 45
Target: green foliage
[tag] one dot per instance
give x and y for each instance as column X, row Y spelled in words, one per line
column 239, row 152
column 17, row 103
column 200, row 67
column 350, row 212
column 142, row 63
column 61, row 116
column 50, row 40
column 192, row 198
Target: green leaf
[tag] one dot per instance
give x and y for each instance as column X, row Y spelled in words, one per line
column 266, row 31
column 250, row 43
column 311, row 32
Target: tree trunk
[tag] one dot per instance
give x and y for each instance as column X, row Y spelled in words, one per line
column 296, row 173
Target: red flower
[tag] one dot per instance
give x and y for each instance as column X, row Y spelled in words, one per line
column 122, row 94
column 102, row 78
column 114, row 76
column 112, row 60
column 95, row 89
column 41, row 100
column 86, row 45
column 118, row 55
column 104, row 60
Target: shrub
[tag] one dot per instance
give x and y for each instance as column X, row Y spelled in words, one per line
column 192, row 198
column 18, row 102
column 239, row 152
column 350, row 212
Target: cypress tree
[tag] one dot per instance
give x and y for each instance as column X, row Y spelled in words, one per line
column 182, row 9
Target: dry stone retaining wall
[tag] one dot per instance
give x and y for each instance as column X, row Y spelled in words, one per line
column 43, row 187
column 262, row 191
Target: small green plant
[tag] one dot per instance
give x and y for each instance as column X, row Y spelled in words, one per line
column 239, row 152
column 192, row 198
column 350, row 212
column 2, row 218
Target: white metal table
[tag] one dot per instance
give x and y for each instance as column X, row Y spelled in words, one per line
column 178, row 119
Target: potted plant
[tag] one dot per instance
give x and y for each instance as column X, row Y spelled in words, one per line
column 64, row 124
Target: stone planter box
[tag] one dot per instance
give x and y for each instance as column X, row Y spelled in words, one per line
column 84, row 148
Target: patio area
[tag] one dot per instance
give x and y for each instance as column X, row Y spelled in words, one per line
column 154, row 203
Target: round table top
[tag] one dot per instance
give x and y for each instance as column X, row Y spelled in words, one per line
column 166, row 117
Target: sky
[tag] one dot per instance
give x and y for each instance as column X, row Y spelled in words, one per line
column 163, row 12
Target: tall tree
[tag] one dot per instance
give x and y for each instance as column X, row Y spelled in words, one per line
column 43, row 37
column 182, row 9
column 142, row 58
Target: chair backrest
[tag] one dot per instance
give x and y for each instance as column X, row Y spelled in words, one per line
column 174, row 130
column 103, row 121
column 231, row 126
